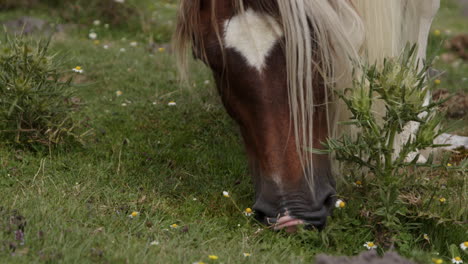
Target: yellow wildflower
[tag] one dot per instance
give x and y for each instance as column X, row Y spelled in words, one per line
column 340, row 204
column 248, row 212
column 134, row 214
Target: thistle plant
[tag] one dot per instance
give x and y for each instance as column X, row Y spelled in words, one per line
column 401, row 86
column 36, row 97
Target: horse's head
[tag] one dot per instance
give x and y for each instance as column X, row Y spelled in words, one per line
column 245, row 45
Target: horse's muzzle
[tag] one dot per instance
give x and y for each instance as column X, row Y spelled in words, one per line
column 290, row 205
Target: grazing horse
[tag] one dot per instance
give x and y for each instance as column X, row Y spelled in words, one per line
column 275, row 63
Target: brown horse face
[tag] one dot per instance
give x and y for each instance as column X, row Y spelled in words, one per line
column 249, row 67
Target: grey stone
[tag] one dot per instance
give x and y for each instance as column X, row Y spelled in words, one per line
column 28, row 25
column 368, row 257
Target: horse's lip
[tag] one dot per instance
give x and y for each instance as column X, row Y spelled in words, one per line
column 287, row 222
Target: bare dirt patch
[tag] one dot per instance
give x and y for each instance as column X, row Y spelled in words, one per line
column 457, row 104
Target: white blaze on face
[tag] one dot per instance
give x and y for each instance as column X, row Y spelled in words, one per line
column 253, row 35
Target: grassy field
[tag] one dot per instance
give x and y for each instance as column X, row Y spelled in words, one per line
column 172, row 163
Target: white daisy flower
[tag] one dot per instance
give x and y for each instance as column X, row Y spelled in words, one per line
column 118, row 93
column 225, row 194
column 464, row 245
column 154, row 243
column 106, row 46
column 123, row 50
column 96, row 22
column 340, row 204
column 133, row 43
column 457, row 260
column 370, row 245
column 246, row 254
column 77, row 69
column 119, row 1
column 206, row 82
column 92, row 35
column 134, row 214
column 172, row 103
column 248, row 212
column 124, row 104
column 358, row 184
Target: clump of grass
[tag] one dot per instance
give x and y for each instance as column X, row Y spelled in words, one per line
column 399, row 200
column 36, row 97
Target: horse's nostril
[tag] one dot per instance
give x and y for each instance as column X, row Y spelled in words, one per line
column 263, row 218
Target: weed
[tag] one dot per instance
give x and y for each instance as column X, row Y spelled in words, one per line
column 391, row 202
column 36, row 97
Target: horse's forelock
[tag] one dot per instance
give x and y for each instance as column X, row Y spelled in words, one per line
column 188, row 33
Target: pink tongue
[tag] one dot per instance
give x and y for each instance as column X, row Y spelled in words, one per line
column 290, row 224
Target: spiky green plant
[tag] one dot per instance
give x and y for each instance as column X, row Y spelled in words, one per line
column 402, row 87
column 36, row 97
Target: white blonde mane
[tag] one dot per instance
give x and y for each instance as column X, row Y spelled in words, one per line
column 344, row 33
column 337, row 32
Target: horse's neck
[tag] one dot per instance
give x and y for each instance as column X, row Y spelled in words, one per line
column 390, row 25
column 427, row 14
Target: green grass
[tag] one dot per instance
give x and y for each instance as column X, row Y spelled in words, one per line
column 156, row 159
